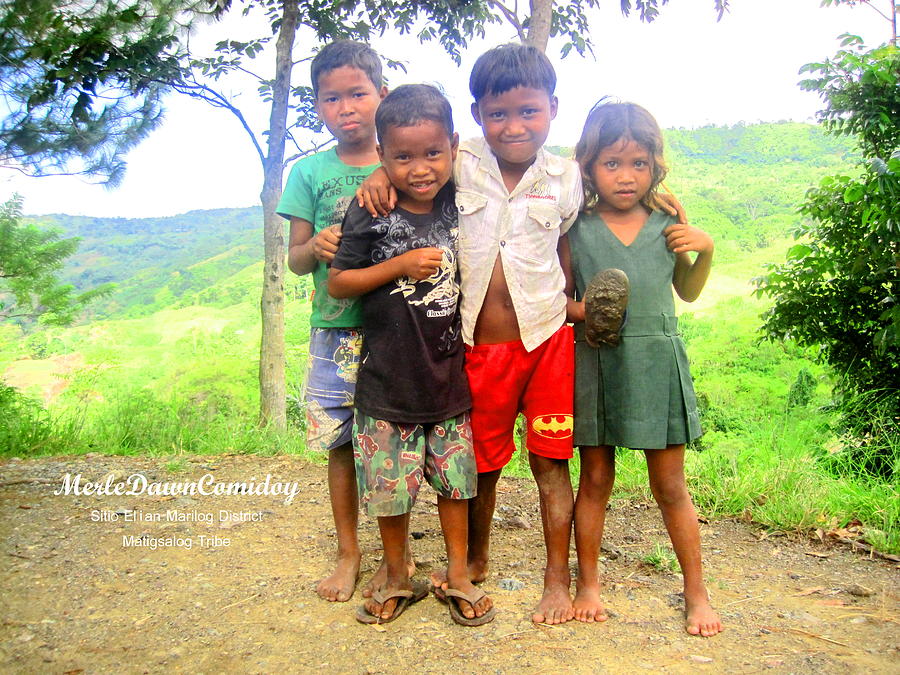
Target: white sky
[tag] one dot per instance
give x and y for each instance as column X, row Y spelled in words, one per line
column 685, row 68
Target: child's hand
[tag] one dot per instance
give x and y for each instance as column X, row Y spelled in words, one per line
column 325, row 244
column 670, row 204
column 376, row 194
column 421, row 263
column 682, row 238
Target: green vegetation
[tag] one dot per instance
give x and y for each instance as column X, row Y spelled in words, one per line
column 178, row 377
column 661, row 558
column 839, row 290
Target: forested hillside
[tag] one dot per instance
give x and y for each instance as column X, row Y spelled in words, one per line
column 742, row 184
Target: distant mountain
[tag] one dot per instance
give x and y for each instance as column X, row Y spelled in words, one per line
column 742, row 184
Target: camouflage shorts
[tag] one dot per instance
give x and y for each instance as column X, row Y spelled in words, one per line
column 330, row 386
column 394, row 460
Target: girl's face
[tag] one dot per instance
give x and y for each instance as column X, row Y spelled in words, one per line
column 622, row 175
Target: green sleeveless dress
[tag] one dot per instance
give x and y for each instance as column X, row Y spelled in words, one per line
column 638, row 394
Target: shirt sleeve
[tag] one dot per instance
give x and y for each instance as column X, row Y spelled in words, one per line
column 298, row 198
column 571, row 203
column 357, row 236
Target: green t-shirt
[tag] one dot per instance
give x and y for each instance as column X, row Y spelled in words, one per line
column 319, row 189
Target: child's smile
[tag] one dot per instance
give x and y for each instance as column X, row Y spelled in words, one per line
column 622, row 175
column 515, row 123
column 418, row 161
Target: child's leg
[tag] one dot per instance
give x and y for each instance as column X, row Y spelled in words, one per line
column 454, row 514
column 598, row 472
column 339, row 585
column 481, row 515
column 666, row 470
column 555, row 491
column 394, row 535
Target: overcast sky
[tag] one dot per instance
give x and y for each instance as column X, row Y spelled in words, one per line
column 686, row 68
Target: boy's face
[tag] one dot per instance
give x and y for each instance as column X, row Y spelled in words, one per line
column 515, row 123
column 418, row 161
column 346, row 103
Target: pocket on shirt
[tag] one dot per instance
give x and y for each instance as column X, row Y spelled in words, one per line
column 547, row 216
column 468, row 202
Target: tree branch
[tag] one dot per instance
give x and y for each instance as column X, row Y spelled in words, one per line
column 206, row 93
column 511, row 17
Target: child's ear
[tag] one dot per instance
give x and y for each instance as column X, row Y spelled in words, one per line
column 476, row 113
column 380, row 152
column 454, row 144
column 382, row 92
column 554, row 107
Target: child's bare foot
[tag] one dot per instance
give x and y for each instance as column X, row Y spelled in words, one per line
column 339, row 586
column 700, row 617
column 380, row 577
column 587, row 605
column 477, row 573
column 556, row 603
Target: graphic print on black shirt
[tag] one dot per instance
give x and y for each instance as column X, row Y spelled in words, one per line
column 412, row 359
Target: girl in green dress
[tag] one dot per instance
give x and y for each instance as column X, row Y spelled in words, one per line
column 635, row 391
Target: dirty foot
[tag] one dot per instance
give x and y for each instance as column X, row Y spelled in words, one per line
column 556, row 603
column 587, row 605
column 340, row 585
column 477, row 574
column 605, row 300
column 380, row 577
column 700, row 617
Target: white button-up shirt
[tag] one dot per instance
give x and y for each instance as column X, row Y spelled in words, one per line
column 523, row 228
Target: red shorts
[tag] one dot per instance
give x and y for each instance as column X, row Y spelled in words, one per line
column 506, row 380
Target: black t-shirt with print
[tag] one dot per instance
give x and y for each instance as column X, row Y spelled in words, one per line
column 411, row 368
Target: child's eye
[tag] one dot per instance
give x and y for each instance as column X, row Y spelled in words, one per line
column 360, row 94
column 611, row 164
column 641, row 164
column 530, row 112
column 498, row 115
column 434, row 153
column 329, row 99
column 401, row 157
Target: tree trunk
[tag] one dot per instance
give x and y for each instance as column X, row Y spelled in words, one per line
column 272, row 392
column 539, row 24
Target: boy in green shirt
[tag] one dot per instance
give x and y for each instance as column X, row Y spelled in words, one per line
column 347, row 83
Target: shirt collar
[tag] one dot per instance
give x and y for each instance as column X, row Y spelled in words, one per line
column 544, row 161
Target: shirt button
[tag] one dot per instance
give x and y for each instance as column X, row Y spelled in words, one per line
column 547, row 225
column 503, row 242
column 461, row 209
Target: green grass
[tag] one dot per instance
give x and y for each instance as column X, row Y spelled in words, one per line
column 661, row 558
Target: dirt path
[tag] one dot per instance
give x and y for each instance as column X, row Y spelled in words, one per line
column 75, row 599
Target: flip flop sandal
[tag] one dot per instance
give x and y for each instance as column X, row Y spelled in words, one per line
column 473, row 597
column 406, row 598
column 605, row 300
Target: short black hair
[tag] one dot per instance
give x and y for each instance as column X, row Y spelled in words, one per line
column 412, row 104
column 509, row 66
column 346, row 53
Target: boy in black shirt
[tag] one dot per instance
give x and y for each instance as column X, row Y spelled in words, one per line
column 412, row 397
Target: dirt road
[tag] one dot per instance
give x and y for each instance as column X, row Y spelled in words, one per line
column 150, row 583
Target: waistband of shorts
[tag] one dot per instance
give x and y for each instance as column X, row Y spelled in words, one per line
column 331, row 329
column 517, row 345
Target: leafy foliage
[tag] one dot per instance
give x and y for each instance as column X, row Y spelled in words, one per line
column 82, row 80
column 30, row 260
column 839, row 289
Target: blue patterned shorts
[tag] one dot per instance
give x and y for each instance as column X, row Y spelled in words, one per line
column 330, row 386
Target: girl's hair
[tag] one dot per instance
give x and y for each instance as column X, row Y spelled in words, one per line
column 609, row 122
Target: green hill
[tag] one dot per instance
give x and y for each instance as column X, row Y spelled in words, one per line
column 742, row 184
